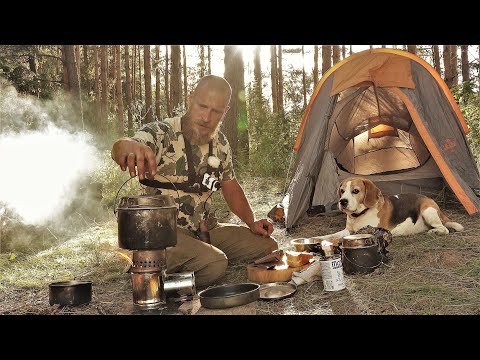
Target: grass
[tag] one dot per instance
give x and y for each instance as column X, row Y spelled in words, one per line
column 426, row 274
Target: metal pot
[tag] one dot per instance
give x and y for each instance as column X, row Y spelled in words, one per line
column 75, row 292
column 147, row 222
column 360, row 254
column 225, row 296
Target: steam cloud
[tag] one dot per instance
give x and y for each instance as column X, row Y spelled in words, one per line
column 44, row 154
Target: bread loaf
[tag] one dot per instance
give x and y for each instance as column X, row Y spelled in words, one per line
column 296, row 259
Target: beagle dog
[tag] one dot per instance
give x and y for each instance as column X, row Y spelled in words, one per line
column 403, row 214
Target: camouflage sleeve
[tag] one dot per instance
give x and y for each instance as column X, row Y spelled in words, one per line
column 152, row 135
column 225, row 155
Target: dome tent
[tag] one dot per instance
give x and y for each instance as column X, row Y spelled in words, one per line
column 385, row 115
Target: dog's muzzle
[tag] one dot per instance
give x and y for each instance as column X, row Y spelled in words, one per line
column 343, row 203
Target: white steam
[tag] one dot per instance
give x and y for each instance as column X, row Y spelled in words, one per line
column 40, row 170
column 41, row 162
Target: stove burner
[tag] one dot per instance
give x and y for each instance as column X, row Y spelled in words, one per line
column 148, row 261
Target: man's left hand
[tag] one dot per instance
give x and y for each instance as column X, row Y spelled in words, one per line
column 262, row 227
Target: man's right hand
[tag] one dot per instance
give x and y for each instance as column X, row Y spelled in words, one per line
column 129, row 153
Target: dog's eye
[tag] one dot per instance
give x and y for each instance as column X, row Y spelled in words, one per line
column 342, row 191
column 355, row 191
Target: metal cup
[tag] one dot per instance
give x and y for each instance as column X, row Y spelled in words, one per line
column 180, row 285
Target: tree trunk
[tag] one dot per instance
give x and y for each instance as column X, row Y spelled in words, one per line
column 465, row 64
column 202, row 61
column 119, row 90
column 273, row 67
column 134, row 73
column 111, row 76
column 167, row 84
column 72, row 74
column 157, row 81
column 66, row 85
column 447, row 66
column 336, row 54
column 235, row 123
column 280, row 81
column 147, row 64
column 128, row 90
column 351, row 50
column 77, row 65
column 344, row 52
column 185, row 79
column 412, row 49
column 98, row 103
column 104, row 81
column 209, row 60
column 257, row 74
column 315, row 66
column 453, row 64
column 86, row 72
column 436, row 59
column 326, row 58
column 176, row 79
column 140, row 73
column 304, row 81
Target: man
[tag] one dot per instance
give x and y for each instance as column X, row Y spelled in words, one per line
column 195, row 157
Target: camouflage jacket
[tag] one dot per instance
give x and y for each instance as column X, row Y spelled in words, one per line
column 165, row 138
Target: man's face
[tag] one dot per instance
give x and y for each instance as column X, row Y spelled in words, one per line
column 206, row 110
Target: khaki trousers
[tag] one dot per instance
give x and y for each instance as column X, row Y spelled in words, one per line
column 230, row 243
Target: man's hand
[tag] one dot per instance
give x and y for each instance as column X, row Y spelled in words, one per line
column 262, row 227
column 130, row 153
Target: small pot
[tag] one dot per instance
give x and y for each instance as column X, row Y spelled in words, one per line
column 72, row 293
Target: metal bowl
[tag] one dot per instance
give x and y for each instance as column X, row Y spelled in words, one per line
column 306, row 244
column 225, row 296
column 277, row 290
column 73, row 293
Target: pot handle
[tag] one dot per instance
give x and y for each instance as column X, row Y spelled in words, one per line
column 115, row 208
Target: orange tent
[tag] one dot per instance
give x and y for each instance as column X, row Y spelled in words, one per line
column 388, row 116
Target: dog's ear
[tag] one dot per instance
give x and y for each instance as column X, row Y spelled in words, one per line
column 339, row 194
column 372, row 193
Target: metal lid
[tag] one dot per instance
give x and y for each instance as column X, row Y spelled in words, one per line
column 147, row 202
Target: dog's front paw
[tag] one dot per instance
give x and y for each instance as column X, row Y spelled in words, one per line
column 439, row 230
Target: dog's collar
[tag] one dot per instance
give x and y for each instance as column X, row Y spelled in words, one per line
column 359, row 214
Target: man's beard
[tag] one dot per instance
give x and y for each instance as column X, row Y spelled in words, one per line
column 193, row 136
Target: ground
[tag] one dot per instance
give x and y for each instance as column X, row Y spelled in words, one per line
column 426, row 274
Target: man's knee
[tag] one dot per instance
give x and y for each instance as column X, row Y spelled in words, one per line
column 268, row 245
column 212, row 271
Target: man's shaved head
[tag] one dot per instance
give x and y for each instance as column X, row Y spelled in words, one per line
column 215, row 83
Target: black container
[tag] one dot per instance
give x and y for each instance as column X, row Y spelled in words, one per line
column 72, row 293
column 361, row 259
column 147, row 222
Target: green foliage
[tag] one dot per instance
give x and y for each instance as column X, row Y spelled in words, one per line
column 31, row 69
column 272, row 135
column 112, row 178
column 471, row 112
